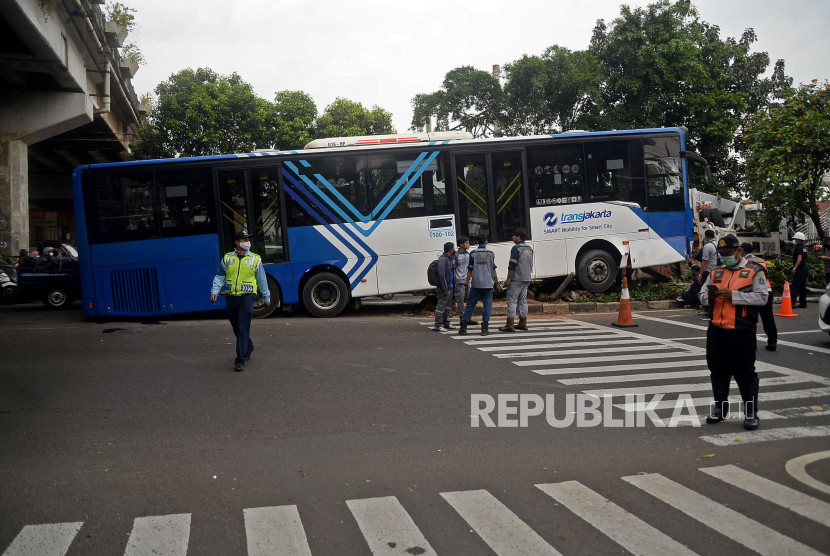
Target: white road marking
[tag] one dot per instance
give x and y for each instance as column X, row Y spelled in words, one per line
column 765, row 396
column 160, row 535
column 635, row 378
column 626, row 357
column 500, row 528
column 387, row 528
column 275, row 530
column 796, row 467
column 637, row 536
column 616, row 349
column 730, row 439
column 780, row 342
column 725, row 521
column 614, row 368
column 798, row 502
column 525, row 338
column 790, row 412
column 601, row 342
column 52, row 539
column 682, row 388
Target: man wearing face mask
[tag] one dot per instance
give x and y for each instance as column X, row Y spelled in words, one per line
column 734, row 291
column 242, row 274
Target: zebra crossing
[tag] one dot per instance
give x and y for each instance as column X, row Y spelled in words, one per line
column 389, row 530
column 619, row 363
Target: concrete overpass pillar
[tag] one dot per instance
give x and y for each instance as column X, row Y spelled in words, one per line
column 14, row 197
column 27, row 117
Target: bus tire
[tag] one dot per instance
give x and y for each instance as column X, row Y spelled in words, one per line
column 325, row 295
column 597, row 270
column 56, row 297
column 260, row 310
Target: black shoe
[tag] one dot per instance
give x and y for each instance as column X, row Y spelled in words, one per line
column 714, row 418
column 463, row 331
column 751, row 423
column 772, row 347
column 239, row 368
column 485, row 328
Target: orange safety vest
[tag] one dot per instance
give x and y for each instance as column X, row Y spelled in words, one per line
column 762, row 263
column 726, row 314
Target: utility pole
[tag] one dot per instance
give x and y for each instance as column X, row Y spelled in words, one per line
column 497, row 75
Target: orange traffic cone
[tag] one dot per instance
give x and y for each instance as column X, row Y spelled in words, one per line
column 786, row 303
column 625, row 320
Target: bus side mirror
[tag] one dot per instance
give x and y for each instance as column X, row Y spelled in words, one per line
column 697, row 158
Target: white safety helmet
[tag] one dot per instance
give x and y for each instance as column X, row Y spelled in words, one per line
column 799, row 235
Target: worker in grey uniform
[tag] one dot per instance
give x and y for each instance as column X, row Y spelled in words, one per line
column 734, row 292
column 519, row 271
column 460, row 264
column 483, row 279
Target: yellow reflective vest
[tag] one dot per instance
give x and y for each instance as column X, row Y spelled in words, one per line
column 240, row 273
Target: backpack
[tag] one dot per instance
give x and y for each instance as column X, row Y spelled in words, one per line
column 432, row 273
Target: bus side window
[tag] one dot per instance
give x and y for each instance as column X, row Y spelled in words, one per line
column 616, row 172
column 121, row 207
column 664, row 173
column 186, row 201
column 422, row 193
column 556, row 174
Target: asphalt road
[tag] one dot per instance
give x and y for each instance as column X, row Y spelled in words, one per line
column 141, row 433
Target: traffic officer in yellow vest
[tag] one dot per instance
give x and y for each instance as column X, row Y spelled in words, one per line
column 242, row 274
column 733, row 291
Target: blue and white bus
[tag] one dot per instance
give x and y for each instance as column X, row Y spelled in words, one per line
column 365, row 216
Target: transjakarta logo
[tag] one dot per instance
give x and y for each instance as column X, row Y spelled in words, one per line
column 583, row 216
column 551, row 220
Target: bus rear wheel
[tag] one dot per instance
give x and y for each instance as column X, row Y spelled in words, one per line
column 260, row 310
column 325, row 295
column 597, row 270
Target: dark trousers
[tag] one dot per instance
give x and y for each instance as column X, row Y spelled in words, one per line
column 486, row 296
column 240, row 311
column 768, row 320
column 732, row 353
column 826, row 278
column 799, row 290
column 690, row 297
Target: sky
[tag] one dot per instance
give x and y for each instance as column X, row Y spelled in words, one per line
column 383, row 52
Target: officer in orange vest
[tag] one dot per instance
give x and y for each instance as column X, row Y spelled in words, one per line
column 734, row 291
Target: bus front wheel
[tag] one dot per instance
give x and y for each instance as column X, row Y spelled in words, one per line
column 597, row 270
column 325, row 295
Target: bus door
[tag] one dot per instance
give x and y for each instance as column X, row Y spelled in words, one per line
column 253, row 200
column 492, row 194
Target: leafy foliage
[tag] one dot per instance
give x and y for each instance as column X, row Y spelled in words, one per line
column 122, row 15
column 295, row 113
column 789, row 154
column 656, row 66
column 346, row 118
column 780, row 271
column 203, row 113
column 468, row 96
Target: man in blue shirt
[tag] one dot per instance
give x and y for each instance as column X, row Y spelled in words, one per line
column 445, row 276
column 482, row 278
column 242, row 275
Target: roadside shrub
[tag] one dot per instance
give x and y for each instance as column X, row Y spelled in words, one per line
column 780, row 271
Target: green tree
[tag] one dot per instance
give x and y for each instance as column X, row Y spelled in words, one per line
column 295, row 115
column 789, row 155
column 664, row 66
column 559, row 91
column 203, row 113
column 469, row 99
column 346, row 118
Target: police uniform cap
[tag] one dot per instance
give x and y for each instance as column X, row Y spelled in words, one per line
column 727, row 244
column 241, row 234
